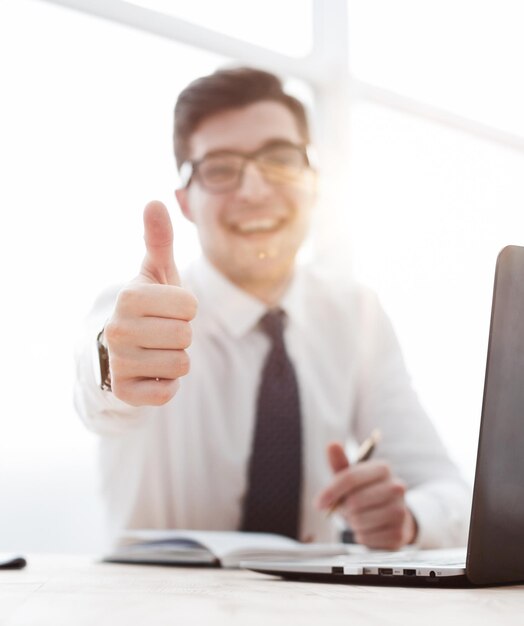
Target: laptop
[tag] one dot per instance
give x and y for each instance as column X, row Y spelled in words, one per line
column 495, row 549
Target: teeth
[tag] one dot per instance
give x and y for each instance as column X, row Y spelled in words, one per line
column 257, row 225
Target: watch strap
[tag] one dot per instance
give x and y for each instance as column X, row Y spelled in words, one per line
column 103, row 360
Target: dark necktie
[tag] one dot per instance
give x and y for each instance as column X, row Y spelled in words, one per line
column 272, row 502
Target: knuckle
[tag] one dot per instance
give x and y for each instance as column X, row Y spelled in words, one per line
column 112, row 331
column 162, row 395
column 398, row 514
column 184, row 303
column 123, row 392
column 185, row 335
column 127, row 298
column 385, row 470
column 136, row 394
column 192, row 305
column 396, row 537
column 182, row 364
column 399, row 487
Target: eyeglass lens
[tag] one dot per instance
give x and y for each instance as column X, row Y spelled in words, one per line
column 278, row 164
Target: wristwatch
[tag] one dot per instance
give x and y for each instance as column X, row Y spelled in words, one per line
column 103, row 360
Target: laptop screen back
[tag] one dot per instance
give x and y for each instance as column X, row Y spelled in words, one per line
column 495, row 547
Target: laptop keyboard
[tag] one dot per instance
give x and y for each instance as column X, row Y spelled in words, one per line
column 451, row 558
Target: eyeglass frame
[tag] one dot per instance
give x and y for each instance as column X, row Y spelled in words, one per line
column 189, row 169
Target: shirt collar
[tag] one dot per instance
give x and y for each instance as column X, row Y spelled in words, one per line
column 234, row 309
column 294, row 299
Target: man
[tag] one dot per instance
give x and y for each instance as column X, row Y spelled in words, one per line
column 286, row 367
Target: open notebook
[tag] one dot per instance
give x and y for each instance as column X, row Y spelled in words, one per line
column 495, row 551
column 213, row 548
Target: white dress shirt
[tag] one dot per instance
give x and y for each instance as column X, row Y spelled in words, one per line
column 184, row 464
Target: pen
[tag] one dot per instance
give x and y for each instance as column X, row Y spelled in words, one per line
column 364, row 452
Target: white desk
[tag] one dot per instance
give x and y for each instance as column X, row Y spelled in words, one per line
column 78, row 591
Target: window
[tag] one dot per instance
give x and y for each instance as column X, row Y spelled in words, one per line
column 435, row 171
column 463, row 57
column 284, row 27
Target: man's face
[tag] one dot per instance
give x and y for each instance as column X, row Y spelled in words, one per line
column 252, row 233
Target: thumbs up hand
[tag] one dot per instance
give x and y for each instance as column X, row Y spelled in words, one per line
column 149, row 330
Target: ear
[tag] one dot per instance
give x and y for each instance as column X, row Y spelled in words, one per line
column 183, row 202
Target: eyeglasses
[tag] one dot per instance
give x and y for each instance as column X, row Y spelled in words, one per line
column 279, row 162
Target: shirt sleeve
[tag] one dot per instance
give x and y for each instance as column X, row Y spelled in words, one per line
column 100, row 410
column 437, row 494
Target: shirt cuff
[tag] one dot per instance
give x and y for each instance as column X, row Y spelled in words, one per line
column 441, row 524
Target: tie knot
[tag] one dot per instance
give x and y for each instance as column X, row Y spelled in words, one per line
column 272, row 323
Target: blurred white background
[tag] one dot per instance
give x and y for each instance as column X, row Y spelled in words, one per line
column 423, row 165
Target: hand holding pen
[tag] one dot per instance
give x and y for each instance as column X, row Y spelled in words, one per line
column 369, row 498
column 365, row 451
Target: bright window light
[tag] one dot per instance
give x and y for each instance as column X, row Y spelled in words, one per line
column 284, row 27
column 464, row 56
column 430, row 209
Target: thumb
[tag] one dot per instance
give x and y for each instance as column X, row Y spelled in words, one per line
column 337, row 457
column 158, row 265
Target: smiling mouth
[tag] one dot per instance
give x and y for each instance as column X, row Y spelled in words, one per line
column 258, row 226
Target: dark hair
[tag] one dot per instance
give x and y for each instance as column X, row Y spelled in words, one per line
column 228, row 89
